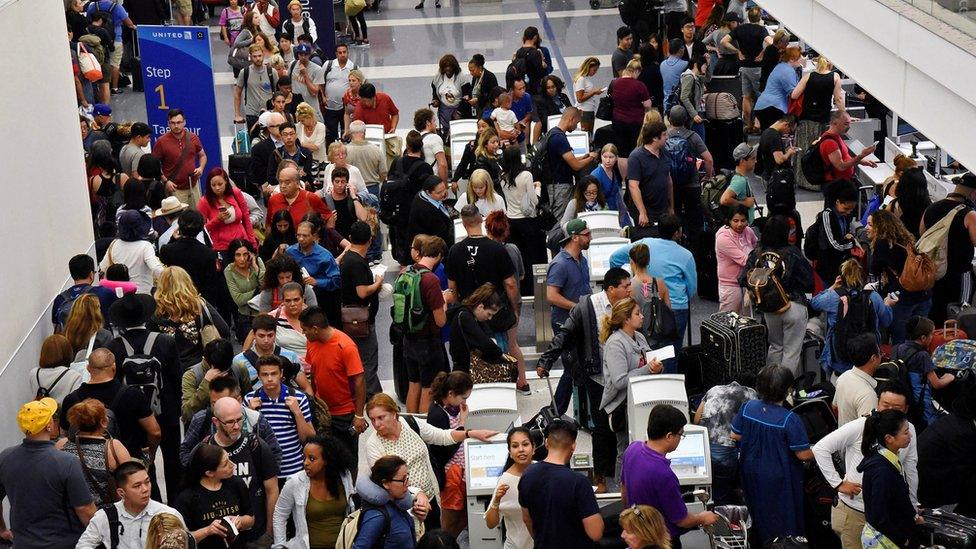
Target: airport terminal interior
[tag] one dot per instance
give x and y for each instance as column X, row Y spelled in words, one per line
column 905, row 71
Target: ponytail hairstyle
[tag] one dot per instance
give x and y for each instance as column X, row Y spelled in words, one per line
column 618, row 316
column 458, row 381
column 878, row 426
column 852, row 274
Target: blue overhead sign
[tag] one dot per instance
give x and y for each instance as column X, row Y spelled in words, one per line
column 178, row 73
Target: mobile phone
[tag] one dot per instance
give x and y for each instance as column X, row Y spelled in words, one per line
column 305, row 273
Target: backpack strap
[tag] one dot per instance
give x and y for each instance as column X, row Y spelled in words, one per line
column 150, row 341
column 112, row 514
column 252, row 357
column 129, row 351
column 412, row 422
column 51, row 388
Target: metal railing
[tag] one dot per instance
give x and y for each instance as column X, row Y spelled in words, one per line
column 959, row 14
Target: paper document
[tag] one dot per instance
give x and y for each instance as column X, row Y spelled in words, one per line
column 661, row 354
column 379, row 269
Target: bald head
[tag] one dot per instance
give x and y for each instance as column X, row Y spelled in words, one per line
column 228, row 420
column 570, row 119
column 101, row 364
column 226, row 408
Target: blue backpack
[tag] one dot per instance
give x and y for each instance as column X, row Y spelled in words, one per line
column 683, row 168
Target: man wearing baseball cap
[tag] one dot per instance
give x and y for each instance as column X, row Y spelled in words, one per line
column 961, row 239
column 50, row 502
column 738, row 192
column 307, row 78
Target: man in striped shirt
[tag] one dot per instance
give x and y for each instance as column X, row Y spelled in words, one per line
column 288, row 412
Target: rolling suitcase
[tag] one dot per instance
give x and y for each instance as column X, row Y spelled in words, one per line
column 949, row 331
column 817, row 417
column 540, row 422
column 237, row 167
column 135, row 64
column 965, row 315
column 945, row 529
column 731, row 344
column 706, row 264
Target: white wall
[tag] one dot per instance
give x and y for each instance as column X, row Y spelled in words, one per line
column 46, row 217
column 918, row 66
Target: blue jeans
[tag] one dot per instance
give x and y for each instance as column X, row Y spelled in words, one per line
column 681, row 319
column 564, row 389
column 906, row 308
column 725, row 477
column 699, row 128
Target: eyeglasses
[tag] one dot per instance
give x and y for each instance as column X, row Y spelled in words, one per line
column 231, row 421
column 680, row 435
column 401, row 480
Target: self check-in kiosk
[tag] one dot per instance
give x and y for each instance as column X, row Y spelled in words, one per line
column 484, row 463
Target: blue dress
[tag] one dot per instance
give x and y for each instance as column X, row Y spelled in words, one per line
column 772, row 476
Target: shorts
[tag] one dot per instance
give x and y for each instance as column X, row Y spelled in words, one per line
column 587, row 117
column 750, row 81
column 106, row 73
column 454, row 492
column 185, row 7
column 115, row 56
column 424, row 358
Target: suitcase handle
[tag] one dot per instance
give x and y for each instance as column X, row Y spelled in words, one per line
column 951, row 324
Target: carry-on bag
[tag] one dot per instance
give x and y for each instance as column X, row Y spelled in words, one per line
column 731, row 344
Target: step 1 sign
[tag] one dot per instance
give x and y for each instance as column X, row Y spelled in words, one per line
column 178, row 73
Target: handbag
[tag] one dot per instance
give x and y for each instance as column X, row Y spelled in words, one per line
column 110, row 494
column 353, row 7
column 795, row 106
column 604, row 109
column 663, row 326
column 483, row 371
column 88, row 64
column 208, row 332
column 355, row 320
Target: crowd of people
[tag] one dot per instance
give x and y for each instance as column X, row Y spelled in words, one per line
column 229, row 320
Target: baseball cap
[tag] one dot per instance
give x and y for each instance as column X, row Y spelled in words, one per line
column 303, row 48
column 573, row 228
column 733, row 16
column 742, row 151
column 101, row 109
column 34, row 416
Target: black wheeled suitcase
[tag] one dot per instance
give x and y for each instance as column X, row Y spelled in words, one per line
column 731, row 344
column 945, row 529
column 237, row 167
column 706, row 263
column 539, row 423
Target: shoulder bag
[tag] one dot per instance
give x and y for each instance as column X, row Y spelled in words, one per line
column 604, row 109
column 483, row 371
column 355, row 320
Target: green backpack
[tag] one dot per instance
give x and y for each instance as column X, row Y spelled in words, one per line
column 408, row 311
column 712, row 190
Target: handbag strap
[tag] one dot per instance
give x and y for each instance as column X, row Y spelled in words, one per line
column 179, row 163
column 89, row 475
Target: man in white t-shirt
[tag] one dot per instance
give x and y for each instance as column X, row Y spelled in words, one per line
column 423, row 122
column 335, row 77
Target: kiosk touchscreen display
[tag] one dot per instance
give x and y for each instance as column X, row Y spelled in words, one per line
column 485, row 463
column 689, row 460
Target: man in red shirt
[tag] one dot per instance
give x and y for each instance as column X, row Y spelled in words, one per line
column 338, row 374
column 180, row 151
column 837, row 159
column 376, row 108
column 293, row 198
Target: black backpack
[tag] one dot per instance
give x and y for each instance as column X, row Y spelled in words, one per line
column 811, row 240
column 538, row 159
column 397, row 194
column 143, row 371
column 781, row 191
column 44, row 392
column 109, row 16
column 855, row 316
column 897, row 369
column 68, row 301
column 812, row 164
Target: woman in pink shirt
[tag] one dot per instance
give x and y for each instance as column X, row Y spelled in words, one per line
column 226, row 212
column 733, row 243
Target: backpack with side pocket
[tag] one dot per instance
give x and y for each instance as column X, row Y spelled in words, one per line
column 896, row 369
column 781, row 191
column 811, row 239
column 764, row 283
column 409, row 313
column 934, row 242
column 397, row 194
column 683, row 162
column 349, row 529
column 855, row 316
column 538, row 159
column 143, row 371
column 712, row 190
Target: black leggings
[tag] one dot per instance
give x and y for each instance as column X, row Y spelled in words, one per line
column 358, row 23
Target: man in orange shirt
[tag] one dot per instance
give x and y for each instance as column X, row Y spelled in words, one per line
column 338, row 373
